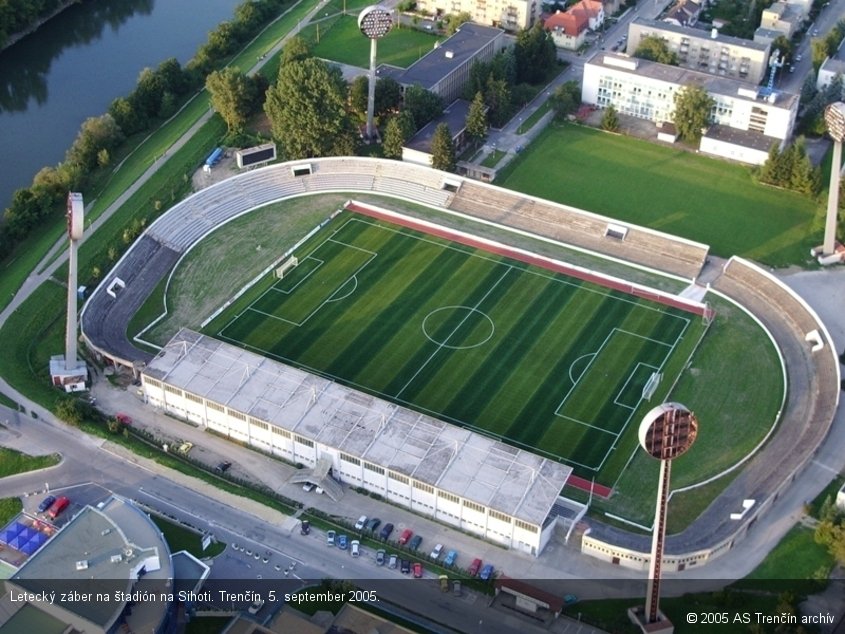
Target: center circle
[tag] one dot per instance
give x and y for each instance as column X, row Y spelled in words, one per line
column 458, row 327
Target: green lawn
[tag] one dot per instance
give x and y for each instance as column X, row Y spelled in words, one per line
column 468, row 336
column 341, row 41
column 493, row 158
column 12, row 462
column 682, row 193
column 180, row 538
column 797, row 558
column 9, row 508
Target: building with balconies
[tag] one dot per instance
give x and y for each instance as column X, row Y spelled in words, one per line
column 510, row 15
column 707, row 52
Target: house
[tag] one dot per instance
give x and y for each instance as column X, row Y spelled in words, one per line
column 683, row 13
column 830, row 68
column 783, row 18
column 745, row 122
column 568, row 30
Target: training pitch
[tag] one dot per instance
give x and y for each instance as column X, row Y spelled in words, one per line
column 540, row 359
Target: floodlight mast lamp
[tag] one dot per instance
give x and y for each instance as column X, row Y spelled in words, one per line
column 666, row 432
column 374, row 22
column 75, row 225
column 834, row 117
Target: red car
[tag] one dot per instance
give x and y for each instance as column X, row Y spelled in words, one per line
column 58, row 506
column 405, row 536
column 474, row 567
column 417, row 570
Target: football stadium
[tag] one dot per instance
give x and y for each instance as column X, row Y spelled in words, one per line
column 477, row 355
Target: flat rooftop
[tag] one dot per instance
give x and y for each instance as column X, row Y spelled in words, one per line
column 471, row 465
column 684, row 76
column 100, row 549
column 451, row 54
column 745, row 138
column 455, row 116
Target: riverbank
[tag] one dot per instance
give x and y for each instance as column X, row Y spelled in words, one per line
column 14, row 38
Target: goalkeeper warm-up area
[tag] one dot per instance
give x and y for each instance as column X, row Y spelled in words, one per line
column 543, row 360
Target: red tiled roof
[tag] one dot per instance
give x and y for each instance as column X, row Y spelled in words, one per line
column 571, row 23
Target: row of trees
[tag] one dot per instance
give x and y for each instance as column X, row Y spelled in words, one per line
column 17, row 16
column 824, row 47
column 791, row 169
column 157, row 95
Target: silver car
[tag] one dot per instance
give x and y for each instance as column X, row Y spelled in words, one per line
column 393, row 562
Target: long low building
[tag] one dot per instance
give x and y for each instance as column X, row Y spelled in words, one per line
column 449, row 473
column 646, row 90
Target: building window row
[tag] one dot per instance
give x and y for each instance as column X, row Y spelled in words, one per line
column 258, row 424
column 236, row 414
column 372, row 467
column 304, row 441
column 215, row 406
column 173, row 390
column 531, row 528
column 152, row 382
column 351, row 459
column 500, row 516
column 474, row 506
column 423, row 487
column 193, row 397
column 398, row 477
column 281, row 432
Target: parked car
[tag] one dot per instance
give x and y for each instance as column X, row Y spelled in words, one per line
column 305, row 527
column 415, row 543
column 46, row 503
column 418, row 570
column 373, row 524
column 57, row 507
column 386, row 530
column 486, row 572
column 222, row 467
column 361, row 523
column 435, row 554
column 342, row 542
column 456, row 587
column 256, row 606
column 444, row 583
column 405, row 567
column 405, row 537
column 474, row 567
column 330, row 535
column 355, row 548
column 451, row 556
column 570, row 599
column 308, row 487
column 380, row 557
column 392, row 562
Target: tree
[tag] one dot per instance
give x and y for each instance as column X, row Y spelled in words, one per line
column 535, row 53
column 784, row 45
column 95, row 134
column 820, row 52
column 476, row 123
column 692, row 112
column 565, row 99
column 423, row 105
column 358, row 94
column 388, row 95
column 497, row 96
column 397, row 132
column 610, row 120
column 443, row 149
column 455, row 20
column 307, row 110
column 231, row 97
column 831, row 534
column 808, row 89
column 127, row 115
column 296, row 50
column 70, row 411
column 655, row 49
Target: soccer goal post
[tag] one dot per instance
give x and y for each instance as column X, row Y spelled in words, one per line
column 286, row 266
column 651, row 385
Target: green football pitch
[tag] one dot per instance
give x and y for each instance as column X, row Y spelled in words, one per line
column 539, row 359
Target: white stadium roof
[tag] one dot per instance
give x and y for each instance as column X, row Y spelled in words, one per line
column 451, row 458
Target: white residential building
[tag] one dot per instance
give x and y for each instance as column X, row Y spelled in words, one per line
column 511, row 15
column 745, row 124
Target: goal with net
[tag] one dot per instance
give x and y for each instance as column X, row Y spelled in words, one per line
column 651, row 385
column 286, row 266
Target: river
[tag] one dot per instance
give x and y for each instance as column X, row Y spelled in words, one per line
column 76, row 64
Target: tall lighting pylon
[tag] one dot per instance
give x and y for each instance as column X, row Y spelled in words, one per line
column 374, row 22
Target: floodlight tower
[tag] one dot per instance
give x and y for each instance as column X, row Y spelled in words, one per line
column 667, row 431
column 69, row 372
column 374, row 22
column 834, row 117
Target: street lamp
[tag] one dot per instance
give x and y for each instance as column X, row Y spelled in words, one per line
column 374, row 22
column 834, row 117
